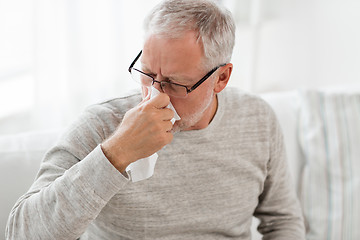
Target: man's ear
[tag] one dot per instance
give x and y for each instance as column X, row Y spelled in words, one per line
column 223, row 77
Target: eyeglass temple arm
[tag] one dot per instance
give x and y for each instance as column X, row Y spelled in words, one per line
column 204, row 78
column 133, row 63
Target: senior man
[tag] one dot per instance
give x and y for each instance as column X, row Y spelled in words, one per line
column 220, row 164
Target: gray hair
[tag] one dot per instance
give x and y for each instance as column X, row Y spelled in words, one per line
column 214, row 24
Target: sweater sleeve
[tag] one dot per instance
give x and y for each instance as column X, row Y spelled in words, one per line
column 74, row 183
column 279, row 210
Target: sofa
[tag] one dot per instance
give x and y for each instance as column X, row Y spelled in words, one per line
column 321, row 131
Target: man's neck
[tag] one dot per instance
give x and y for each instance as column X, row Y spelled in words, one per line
column 208, row 116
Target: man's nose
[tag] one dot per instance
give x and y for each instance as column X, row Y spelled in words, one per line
column 157, row 85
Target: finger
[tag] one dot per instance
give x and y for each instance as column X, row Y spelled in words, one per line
column 167, row 114
column 168, row 126
column 159, row 101
column 170, row 136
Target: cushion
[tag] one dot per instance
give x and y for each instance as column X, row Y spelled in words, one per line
column 20, row 157
column 286, row 106
column 329, row 136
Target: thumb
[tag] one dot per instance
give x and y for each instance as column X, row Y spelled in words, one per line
column 160, row 101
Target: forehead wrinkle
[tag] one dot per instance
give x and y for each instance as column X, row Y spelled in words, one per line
column 181, row 70
column 172, row 76
column 146, row 67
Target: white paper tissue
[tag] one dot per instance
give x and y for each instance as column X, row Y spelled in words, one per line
column 144, row 168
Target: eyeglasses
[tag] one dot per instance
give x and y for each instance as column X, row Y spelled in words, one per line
column 170, row 88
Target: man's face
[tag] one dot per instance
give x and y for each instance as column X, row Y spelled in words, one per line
column 180, row 61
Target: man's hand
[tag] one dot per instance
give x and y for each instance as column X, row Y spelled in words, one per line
column 144, row 130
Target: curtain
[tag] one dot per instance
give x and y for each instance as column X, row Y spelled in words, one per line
column 82, row 52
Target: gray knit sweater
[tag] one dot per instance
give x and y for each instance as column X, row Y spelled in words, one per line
column 207, row 183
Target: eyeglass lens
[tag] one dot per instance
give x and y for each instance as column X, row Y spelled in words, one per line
column 167, row 87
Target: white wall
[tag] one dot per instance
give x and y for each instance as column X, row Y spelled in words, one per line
column 300, row 44
column 61, row 56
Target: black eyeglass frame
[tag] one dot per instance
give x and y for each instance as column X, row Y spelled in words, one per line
column 188, row 90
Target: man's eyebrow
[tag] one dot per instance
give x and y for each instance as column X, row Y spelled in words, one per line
column 176, row 78
column 144, row 67
column 179, row 77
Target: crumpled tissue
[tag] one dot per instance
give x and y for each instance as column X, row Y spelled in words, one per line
column 144, row 168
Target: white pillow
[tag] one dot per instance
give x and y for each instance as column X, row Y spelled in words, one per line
column 20, row 157
column 286, row 107
column 329, row 134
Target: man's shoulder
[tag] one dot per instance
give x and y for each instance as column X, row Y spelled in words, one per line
column 116, row 106
column 242, row 100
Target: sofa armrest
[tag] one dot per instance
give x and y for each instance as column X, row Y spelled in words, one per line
column 20, row 158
